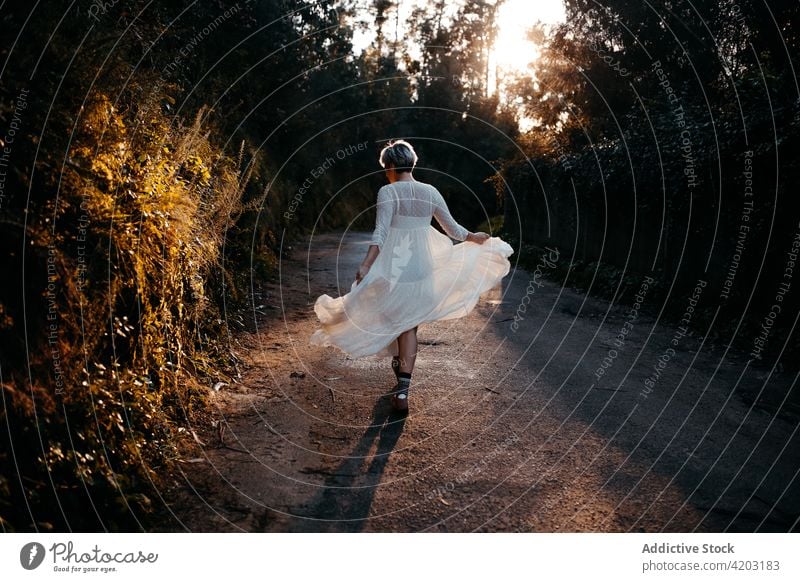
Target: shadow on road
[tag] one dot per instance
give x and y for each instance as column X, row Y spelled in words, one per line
column 344, row 503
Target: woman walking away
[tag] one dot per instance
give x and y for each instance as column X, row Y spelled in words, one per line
column 412, row 274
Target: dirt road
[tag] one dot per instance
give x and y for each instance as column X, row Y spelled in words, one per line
column 510, row 428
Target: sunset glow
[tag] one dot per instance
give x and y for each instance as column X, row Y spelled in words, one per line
column 513, row 51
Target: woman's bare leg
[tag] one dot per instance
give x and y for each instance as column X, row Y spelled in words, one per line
column 407, row 349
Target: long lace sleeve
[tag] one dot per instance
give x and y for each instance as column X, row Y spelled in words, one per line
column 383, row 218
column 446, row 220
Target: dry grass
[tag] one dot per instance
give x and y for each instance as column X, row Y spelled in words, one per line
column 142, row 210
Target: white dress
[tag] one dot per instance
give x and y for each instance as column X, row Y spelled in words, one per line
column 419, row 275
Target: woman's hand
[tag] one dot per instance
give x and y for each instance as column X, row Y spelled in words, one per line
column 362, row 272
column 372, row 254
column 478, row 237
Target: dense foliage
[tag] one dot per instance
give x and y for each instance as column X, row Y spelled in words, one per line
column 137, row 206
column 665, row 146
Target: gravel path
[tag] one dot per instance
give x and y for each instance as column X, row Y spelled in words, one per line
column 510, row 427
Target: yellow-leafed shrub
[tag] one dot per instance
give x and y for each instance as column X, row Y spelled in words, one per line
column 139, row 218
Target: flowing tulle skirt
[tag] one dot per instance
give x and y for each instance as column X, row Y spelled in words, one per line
column 419, row 276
